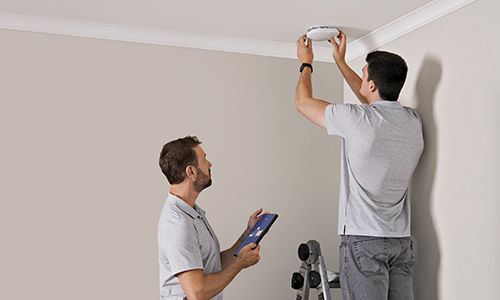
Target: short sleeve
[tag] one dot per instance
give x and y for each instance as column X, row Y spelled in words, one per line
column 182, row 246
column 339, row 118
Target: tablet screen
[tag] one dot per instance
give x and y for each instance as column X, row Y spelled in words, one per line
column 258, row 231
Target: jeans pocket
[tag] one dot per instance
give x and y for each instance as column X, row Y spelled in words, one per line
column 405, row 261
column 410, row 256
column 370, row 256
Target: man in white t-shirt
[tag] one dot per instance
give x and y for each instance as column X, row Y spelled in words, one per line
column 381, row 145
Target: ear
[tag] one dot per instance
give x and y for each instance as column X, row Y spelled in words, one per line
column 372, row 86
column 191, row 172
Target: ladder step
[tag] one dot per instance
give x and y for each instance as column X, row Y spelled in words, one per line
column 334, row 284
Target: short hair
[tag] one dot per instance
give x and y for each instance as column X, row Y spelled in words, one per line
column 388, row 71
column 176, row 155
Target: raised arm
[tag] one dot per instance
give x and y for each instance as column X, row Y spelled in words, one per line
column 313, row 109
column 352, row 79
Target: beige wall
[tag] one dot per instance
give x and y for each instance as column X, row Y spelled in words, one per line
column 453, row 82
column 82, row 122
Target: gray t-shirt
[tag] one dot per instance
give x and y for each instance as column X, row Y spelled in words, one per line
column 381, row 145
column 186, row 241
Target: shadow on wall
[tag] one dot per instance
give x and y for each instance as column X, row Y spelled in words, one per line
column 424, row 233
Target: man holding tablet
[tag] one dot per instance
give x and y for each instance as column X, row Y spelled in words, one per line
column 191, row 263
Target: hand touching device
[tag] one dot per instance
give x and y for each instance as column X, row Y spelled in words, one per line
column 258, row 231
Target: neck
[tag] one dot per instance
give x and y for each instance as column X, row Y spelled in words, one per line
column 373, row 98
column 185, row 191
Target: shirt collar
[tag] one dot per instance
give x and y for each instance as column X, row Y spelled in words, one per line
column 387, row 103
column 195, row 212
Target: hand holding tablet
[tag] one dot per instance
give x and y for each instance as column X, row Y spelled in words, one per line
column 258, row 231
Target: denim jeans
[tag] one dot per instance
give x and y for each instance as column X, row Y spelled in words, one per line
column 373, row 268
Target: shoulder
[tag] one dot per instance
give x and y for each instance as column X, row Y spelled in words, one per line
column 173, row 218
column 412, row 111
column 348, row 108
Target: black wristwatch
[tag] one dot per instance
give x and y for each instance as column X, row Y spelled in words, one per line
column 306, row 65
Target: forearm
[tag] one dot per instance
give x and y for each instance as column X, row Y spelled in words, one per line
column 352, row 79
column 311, row 108
column 216, row 282
column 227, row 256
column 201, row 286
column 304, row 88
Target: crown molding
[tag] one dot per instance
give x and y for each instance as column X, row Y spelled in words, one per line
column 403, row 25
column 376, row 38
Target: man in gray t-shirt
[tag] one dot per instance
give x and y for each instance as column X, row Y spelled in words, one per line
column 381, row 144
column 191, row 263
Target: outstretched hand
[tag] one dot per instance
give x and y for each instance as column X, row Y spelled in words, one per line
column 305, row 50
column 339, row 48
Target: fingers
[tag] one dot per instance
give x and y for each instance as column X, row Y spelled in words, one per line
column 249, row 246
column 263, row 213
column 259, row 213
column 309, row 43
column 252, row 247
column 342, row 38
column 301, row 40
column 304, row 41
column 256, row 213
column 334, row 42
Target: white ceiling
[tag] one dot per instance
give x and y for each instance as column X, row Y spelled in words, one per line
column 225, row 25
column 277, row 20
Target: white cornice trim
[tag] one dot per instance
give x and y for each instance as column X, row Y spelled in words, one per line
column 144, row 35
column 389, row 32
column 403, row 25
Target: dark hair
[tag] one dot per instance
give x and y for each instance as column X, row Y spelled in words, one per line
column 388, row 71
column 176, row 156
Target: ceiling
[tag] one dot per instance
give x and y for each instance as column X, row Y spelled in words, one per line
column 235, row 25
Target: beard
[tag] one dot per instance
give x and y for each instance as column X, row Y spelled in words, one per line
column 202, row 182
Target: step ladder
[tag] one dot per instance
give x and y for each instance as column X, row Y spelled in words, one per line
column 313, row 274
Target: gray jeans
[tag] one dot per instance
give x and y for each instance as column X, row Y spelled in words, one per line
column 373, row 268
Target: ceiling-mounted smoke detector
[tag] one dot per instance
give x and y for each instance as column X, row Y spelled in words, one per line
column 322, row 32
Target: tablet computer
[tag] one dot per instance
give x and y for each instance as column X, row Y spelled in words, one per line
column 258, row 231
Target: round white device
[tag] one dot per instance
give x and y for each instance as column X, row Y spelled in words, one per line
column 321, row 32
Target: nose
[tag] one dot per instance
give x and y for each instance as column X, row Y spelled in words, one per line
column 209, row 164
